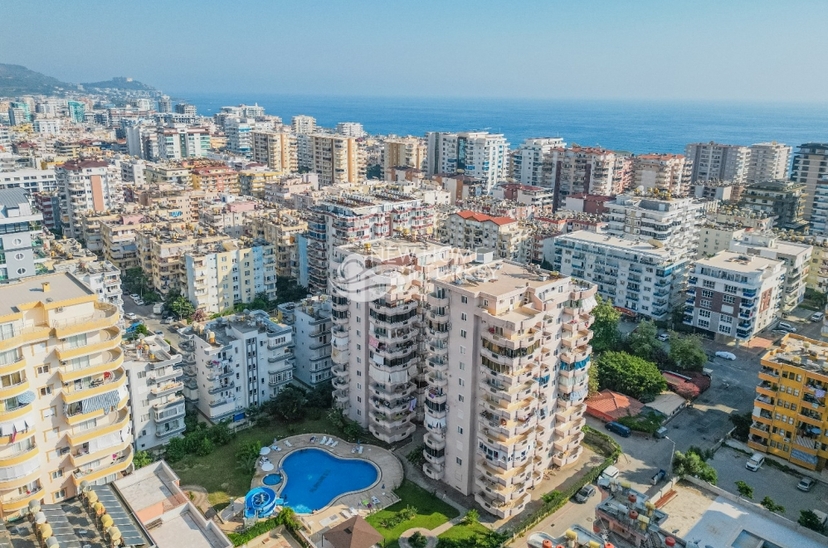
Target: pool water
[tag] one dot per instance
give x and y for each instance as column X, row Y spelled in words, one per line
column 315, row 478
column 272, row 479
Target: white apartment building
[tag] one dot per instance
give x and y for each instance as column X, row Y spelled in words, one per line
column 86, row 186
column 641, row 278
column 717, row 162
column 505, row 236
column 310, row 319
column 239, row 138
column 236, row 362
column 155, row 392
column 586, row 170
column 669, row 172
column 768, row 162
column 102, row 277
column 507, row 366
column 529, row 164
column 733, row 295
column 31, row 180
column 402, row 152
column 221, row 274
column 819, row 211
column 64, row 413
column 673, row 223
column 714, row 238
column 795, row 256
column 21, row 244
column 350, row 129
column 337, row 159
column 809, row 166
column 47, row 126
column 277, row 149
column 480, row 155
column 303, row 125
column 180, row 141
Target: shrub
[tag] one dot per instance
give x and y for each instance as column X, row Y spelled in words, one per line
column 418, row 540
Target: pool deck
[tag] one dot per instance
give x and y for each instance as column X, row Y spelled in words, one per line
column 390, row 475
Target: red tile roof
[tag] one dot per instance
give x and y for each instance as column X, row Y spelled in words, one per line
column 482, row 217
column 609, row 405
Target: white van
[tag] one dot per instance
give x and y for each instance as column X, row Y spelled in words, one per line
column 609, row 474
column 755, row 462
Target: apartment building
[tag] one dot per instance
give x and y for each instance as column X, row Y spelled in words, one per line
column 48, row 204
column 21, row 230
column 670, row 172
column 181, row 141
column 102, row 277
column 86, row 186
column 528, row 163
column 228, row 214
column 507, row 366
column 480, row 155
column 717, row 162
column 30, row 180
column 819, row 211
column 795, row 256
column 280, row 229
column 239, row 136
column 337, row 159
column 734, row 296
column 284, row 190
column 174, row 199
column 768, row 162
column 641, row 278
column 715, row 237
column 403, row 152
column 155, row 391
column 538, row 199
column 809, row 166
column 587, row 170
column 302, row 124
column 277, row 149
column 789, row 413
column 64, row 416
column 253, row 182
column 236, row 362
column 357, row 218
column 508, row 238
column 164, row 175
column 714, row 190
column 215, row 179
column 784, row 200
column 671, row 222
column 223, row 273
column 310, row 319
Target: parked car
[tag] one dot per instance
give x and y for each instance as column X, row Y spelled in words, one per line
column 130, row 315
column 806, row 484
column 660, row 475
column 785, row 326
column 618, row 428
column 664, row 337
column 661, row 432
column 817, row 316
column 726, row 355
column 609, row 474
column 139, row 302
column 585, row 493
column 159, row 332
column 755, row 462
column 134, row 296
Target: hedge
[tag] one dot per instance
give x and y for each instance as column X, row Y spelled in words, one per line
column 259, row 529
column 555, row 500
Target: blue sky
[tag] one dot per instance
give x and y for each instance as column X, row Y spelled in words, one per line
column 599, row 49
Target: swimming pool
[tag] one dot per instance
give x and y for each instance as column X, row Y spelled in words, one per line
column 272, row 479
column 314, row 478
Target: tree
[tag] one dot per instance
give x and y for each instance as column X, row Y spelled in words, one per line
column 204, row 447
column 181, row 307
column 472, row 517
column 629, row 375
column 691, row 464
column 287, row 517
column 220, row 434
column 260, row 302
column 320, row 396
column 768, row 503
column 374, row 171
column 247, row 454
column 288, row 291
column 176, row 450
column 289, row 404
column 643, row 342
column 593, row 382
column 809, row 519
column 141, row 459
column 745, row 490
column 418, row 540
column 687, row 352
column 605, row 333
column 742, row 425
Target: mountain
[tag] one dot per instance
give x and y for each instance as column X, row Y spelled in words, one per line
column 18, row 80
column 119, row 82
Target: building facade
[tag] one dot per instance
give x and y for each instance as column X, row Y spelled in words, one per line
column 21, row 242
column 310, row 319
column 480, row 155
column 809, row 166
column 86, row 186
column 337, row 159
column 717, row 162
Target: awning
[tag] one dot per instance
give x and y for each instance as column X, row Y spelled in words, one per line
column 26, row 397
column 20, row 425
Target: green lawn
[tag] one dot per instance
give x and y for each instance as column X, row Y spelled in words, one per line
column 431, row 512
column 461, row 532
column 218, row 473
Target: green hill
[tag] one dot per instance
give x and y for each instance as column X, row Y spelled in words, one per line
column 119, row 82
column 18, row 80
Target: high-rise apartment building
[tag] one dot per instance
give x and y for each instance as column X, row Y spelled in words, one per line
column 64, row 413
column 810, row 165
column 239, row 138
column 768, row 162
column 337, row 159
column 669, row 172
column 586, row 170
column 303, row 125
column 280, row 229
column 350, row 129
column 175, row 143
column 164, row 104
column 86, row 186
column 77, row 111
column 21, row 226
column 734, row 296
column 277, row 149
column 310, row 319
column 784, row 200
column 480, row 155
column 717, row 162
column 406, row 152
column 508, row 238
column 789, row 413
column 528, row 163
column 185, row 109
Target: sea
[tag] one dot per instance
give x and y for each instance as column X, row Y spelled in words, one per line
column 635, row 126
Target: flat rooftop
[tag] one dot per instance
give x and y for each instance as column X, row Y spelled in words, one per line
column 738, row 262
column 800, row 351
column 62, row 286
column 640, row 246
column 499, row 278
column 389, row 249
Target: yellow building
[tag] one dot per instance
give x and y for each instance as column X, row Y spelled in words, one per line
column 789, row 414
column 64, row 418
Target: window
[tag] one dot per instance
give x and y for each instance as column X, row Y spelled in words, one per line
column 709, row 284
column 726, row 319
column 462, row 366
column 724, row 329
column 464, row 299
column 464, row 316
column 463, row 333
column 459, row 461
column 59, row 495
column 48, row 412
column 459, row 429
column 57, row 474
column 142, row 374
column 75, row 341
column 729, row 299
column 707, row 294
column 731, row 289
column 46, row 390
column 704, row 324
column 705, row 303
column 460, row 398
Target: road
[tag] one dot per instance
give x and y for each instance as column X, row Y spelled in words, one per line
column 152, row 322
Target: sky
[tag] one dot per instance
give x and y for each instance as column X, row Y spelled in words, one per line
column 732, row 50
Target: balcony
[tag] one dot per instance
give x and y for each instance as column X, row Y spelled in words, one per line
column 433, row 471
column 111, row 340
column 166, row 388
column 105, row 315
column 27, row 454
column 169, row 429
column 108, row 361
column 13, row 367
column 88, row 387
column 121, row 463
column 19, row 502
column 114, row 422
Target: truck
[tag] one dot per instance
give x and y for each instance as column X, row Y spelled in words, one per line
column 158, row 308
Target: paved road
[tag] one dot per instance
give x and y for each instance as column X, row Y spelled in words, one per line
column 152, row 321
column 768, row 481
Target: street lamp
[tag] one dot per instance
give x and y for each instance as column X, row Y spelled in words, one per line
column 672, row 454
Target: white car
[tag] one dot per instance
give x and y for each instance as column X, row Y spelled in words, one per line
column 817, row 316
column 130, row 316
column 139, row 302
column 135, row 296
column 785, row 326
column 726, row 355
column 664, row 337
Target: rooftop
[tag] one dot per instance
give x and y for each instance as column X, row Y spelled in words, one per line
column 62, row 287
column 499, row 278
column 631, row 245
column 738, row 262
column 800, row 351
